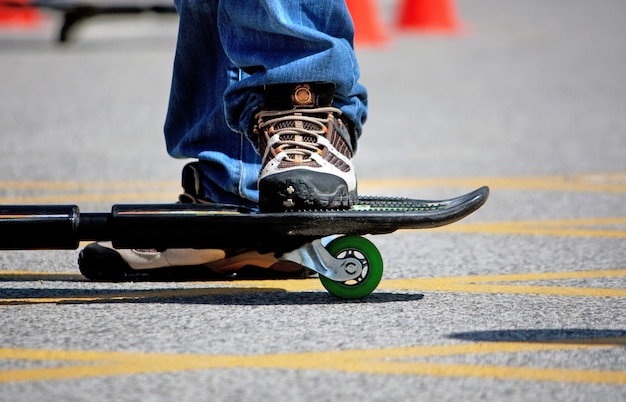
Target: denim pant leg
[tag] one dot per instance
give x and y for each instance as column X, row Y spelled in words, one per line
column 227, row 51
column 195, row 125
column 290, row 41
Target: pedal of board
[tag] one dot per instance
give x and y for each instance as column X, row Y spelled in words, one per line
column 379, row 215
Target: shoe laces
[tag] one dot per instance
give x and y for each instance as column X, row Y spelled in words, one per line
column 298, row 130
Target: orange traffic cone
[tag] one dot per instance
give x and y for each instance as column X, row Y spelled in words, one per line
column 428, row 16
column 18, row 15
column 367, row 28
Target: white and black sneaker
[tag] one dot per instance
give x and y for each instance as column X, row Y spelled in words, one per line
column 101, row 261
column 307, row 150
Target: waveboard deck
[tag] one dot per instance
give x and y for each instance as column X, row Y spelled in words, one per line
column 221, row 226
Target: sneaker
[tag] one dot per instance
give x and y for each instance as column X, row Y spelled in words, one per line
column 307, row 150
column 101, row 261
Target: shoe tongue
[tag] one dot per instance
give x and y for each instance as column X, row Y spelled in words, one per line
column 289, row 96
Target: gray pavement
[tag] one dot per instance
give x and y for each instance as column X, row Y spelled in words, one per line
column 522, row 301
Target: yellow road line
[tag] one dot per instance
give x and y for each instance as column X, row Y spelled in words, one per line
column 563, row 227
column 496, row 284
column 144, row 190
column 93, row 296
column 87, row 185
column 396, row 361
column 167, row 197
column 607, row 183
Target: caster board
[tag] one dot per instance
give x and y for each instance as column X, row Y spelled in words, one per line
column 349, row 266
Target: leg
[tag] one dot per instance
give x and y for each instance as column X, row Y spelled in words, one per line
column 289, row 41
column 296, row 54
column 195, row 126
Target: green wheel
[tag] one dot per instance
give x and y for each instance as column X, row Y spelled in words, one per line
column 369, row 256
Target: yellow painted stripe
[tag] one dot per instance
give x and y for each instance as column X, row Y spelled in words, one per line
column 509, row 289
column 81, row 364
column 499, row 284
column 542, row 276
column 607, row 183
column 78, row 198
column 87, row 185
column 563, row 227
column 502, row 372
column 481, row 284
column 141, row 295
column 144, row 190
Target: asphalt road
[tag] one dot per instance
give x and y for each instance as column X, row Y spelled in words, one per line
column 524, row 300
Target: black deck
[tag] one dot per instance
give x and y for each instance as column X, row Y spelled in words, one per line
column 221, row 226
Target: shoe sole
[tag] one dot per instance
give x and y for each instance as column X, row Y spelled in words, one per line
column 303, row 189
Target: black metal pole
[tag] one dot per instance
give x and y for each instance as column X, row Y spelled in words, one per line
column 63, row 227
column 38, row 227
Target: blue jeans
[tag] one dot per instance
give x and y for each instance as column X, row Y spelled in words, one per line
column 227, row 50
